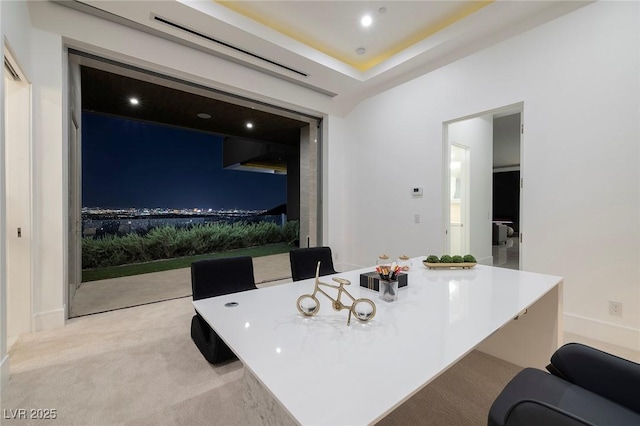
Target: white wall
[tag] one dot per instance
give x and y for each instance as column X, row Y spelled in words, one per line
column 476, row 134
column 15, row 27
column 39, row 54
column 578, row 79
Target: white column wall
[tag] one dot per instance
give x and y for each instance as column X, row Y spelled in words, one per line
column 336, row 168
column 49, row 181
column 578, row 79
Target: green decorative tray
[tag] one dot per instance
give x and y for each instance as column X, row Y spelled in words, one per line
column 463, row 265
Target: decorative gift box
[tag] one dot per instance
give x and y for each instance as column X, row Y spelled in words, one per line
column 371, row 280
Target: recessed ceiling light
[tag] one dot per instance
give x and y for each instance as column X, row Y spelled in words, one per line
column 366, row 20
column 249, row 125
column 360, row 50
column 134, row 101
column 204, row 115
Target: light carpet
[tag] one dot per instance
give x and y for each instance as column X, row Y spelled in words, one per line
column 138, row 366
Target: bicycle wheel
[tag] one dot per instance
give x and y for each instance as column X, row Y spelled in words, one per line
column 308, row 305
column 363, row 309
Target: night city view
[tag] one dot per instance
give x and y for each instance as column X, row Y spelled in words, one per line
column 138, row 175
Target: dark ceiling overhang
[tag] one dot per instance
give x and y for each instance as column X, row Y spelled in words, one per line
column 268, row 146
column 256, row 156
column 108, row 93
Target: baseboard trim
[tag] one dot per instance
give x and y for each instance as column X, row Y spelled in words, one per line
column 49, row 320
column 626, row 337
column 4, row 373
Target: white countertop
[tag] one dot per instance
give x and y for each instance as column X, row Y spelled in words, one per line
column 327, row 373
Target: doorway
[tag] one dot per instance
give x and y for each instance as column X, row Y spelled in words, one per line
column 257, row 136
column 472, row 231
column 18, row 195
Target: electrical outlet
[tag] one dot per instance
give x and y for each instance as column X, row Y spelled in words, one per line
column 416, row 218
column 615, row 308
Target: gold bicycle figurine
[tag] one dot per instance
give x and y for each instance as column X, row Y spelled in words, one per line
column 308, row 305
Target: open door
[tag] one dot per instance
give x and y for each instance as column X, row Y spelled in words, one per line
column 75, row 219
column 75, row 187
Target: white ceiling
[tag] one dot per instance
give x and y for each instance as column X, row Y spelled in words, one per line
column 313, row 43
column 334, row 27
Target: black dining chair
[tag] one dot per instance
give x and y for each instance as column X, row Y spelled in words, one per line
column 305, row 260
column 215, row 277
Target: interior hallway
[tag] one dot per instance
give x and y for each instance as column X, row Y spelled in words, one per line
column 507, row 255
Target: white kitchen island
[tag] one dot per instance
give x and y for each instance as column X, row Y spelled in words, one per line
column 319, row 371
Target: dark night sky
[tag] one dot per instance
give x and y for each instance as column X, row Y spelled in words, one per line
column 127, row 163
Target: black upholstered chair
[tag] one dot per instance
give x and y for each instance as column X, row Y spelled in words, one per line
column 305, row 260
column 215, row 277
column 586, row 387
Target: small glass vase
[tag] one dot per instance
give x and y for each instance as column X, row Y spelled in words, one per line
column 388, row 290
column 404, row 262
column 383, row 261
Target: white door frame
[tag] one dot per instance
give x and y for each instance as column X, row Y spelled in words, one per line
column 19, row 192
column 446, row 178
column 446, row 185
column 520, row 209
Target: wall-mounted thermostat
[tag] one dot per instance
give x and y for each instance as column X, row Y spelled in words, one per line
column 416, row 192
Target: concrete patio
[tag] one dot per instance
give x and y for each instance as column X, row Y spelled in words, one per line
column 116, row 293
